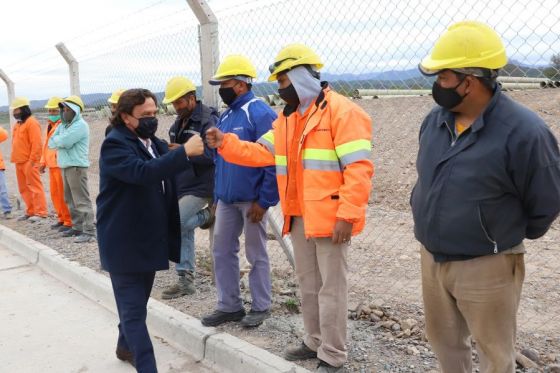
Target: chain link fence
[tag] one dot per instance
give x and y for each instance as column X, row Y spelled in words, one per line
column 370, row 50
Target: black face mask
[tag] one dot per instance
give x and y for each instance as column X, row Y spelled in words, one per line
column 68, row 116
column 147, row 127
column 447, row 98
column 289, row 95
column 228, row 95
column 24, row 113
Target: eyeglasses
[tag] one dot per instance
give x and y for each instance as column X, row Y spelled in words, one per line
column 273, row 67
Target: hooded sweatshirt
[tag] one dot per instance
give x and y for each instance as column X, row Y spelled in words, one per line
column 306, row 85
column 72, row 141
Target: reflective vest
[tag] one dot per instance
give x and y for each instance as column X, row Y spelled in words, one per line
column 334, row 170
column 49, row 157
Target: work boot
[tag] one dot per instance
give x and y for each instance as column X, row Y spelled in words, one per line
column 325, row 367
column 57, row 225
column 23, row 217
column 255, row 318
column 84, row 238
column 64, row 228
column 219, row 317
column 7, row 215
column 125, row 355
column 300, row 353
column 71, row 233
column 210, row 220
column 184, row 286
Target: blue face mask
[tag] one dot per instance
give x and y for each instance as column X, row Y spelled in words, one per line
column 54, row 118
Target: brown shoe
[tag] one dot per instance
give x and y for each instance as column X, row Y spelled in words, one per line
column 300, row 353
column 125, row 355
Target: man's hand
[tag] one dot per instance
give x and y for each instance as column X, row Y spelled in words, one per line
column 256, row 213
column 342, row 232
column 214, row 137
column 194, row 146
column 173, row 146
column 42, row 169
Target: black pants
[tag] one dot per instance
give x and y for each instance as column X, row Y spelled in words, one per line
column 132, row 291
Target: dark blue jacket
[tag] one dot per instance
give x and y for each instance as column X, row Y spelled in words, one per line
column 137, row 217
column 197, row 178
column 249, row 118
column 486, row 191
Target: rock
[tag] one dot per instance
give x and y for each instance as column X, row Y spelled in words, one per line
column 411, row 350
column 387, row 324
column 353, row 306
column 551, row 358
column 374, row 318
column 363, row 309
column 407, row 333
column 287, row 292
column 379, row 313
column 532, row 354
column 408, row 324
column 376, row 304
column 277, row 324
column 554, row 368
column 395, row 327
column 524, row 361
column 353, row 315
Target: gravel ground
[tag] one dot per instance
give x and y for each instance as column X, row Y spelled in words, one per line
column 384, row 260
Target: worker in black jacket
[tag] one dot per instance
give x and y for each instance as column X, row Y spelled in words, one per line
column 488, row 177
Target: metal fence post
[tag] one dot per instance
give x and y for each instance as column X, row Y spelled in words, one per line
column 73, row 67
column 11, row 93
column 209, row 48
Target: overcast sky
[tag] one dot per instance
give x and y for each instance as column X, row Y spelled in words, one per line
column 131, row 43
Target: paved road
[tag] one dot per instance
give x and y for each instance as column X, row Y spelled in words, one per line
column 46, row 326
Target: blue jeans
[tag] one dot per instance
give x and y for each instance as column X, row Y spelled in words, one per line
column 192, row 215
column 4, row 200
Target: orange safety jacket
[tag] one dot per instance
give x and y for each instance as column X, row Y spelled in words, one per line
column 334, row 170
column 26, row 141
column 49, row 156
column 3, row 137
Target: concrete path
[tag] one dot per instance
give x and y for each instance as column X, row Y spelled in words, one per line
column 46, row 326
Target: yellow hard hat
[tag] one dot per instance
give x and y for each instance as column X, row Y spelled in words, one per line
column 19, row 102
column 177, row 87
column 466, row 44
column 75, row 100
column 115, row 96
column 53, row 102
column 234, row 66
column 293, row 55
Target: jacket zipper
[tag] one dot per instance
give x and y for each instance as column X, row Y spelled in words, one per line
column 486, row 231
column 454, row 137
column 305, row 126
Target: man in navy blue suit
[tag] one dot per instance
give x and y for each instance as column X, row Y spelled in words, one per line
column 137, row 216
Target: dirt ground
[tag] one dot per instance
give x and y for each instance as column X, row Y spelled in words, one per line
column 384, row 260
